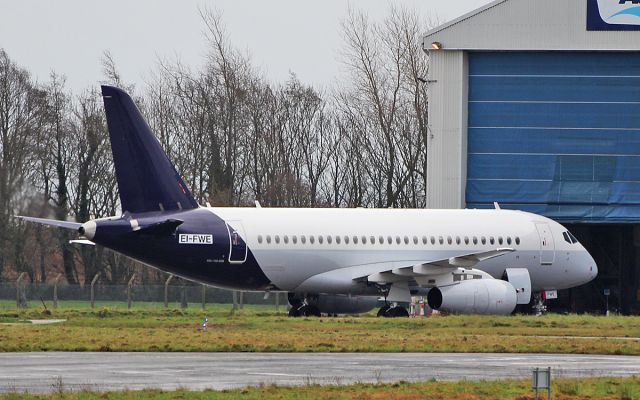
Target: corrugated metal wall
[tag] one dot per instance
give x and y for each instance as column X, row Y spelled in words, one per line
column 555, row 133
column 447, row 146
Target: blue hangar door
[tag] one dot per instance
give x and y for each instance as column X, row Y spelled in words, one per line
column 556, row 133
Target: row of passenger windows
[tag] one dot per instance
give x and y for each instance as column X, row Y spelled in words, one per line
column 389, row 240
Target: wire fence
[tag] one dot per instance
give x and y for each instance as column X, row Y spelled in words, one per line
column 22, row 294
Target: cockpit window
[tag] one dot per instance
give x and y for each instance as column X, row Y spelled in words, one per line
column 569, row 238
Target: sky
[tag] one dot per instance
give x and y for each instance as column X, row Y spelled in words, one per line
column 282, row 36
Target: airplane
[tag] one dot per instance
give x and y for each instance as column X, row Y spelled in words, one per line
column 334, row 261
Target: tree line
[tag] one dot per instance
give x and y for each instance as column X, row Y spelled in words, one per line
column 235, row 136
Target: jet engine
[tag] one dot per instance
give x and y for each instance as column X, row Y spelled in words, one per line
column 477, row 296
column 335, row 304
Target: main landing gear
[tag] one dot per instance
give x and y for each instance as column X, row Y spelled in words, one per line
column 300, row 308
column 392, row 311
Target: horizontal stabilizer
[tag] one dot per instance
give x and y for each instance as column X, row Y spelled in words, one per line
column 163, row 228
column 82, row 242
column 52, row 222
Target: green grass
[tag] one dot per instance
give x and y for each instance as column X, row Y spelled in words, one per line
column 260, row 329
column 566, row 389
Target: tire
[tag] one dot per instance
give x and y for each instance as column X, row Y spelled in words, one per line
column 382, row 312
column 294, row 312
column 397, row 312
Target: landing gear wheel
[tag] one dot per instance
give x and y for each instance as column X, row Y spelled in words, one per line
column 305, row 310
column 538, row 304
column 294, row 312
column 397, row 312
column 382, row 312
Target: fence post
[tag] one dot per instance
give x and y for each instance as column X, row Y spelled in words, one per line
column 204, row 299
column 55, row 290
column 277, row 302
column 241, row 300
column 235, row 301
column 93, row 293
column 129, row 284
column 183, row 296
column 19, row 302
column 166, row 291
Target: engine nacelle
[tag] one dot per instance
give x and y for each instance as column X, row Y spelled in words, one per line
column 477, row 296
column 337, row 304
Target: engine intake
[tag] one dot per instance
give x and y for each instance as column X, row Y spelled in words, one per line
column 478, row 296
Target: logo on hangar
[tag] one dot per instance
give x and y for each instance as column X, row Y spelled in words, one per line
column 613, row 15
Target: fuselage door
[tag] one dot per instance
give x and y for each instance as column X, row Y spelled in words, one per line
column 547, row 246
column 237, row 242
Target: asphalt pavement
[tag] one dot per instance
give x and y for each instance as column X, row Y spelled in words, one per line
column 49, row 371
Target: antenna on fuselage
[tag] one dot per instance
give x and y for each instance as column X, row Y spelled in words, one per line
column 496, row 205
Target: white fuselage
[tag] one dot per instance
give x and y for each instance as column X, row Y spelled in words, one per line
column 292, row 245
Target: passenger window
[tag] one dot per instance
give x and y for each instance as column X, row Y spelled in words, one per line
column 364, row 240
column 492, row 240
column 441, row 239
column 517, row 240
column 475, row 240
column 398, row 240
column 320, row 239
column 389, row 240
column 406, row 240
column 380, row 240
column 483, row 240
column 508, row 240
column 424, row 240
column 303, row 239
column 259, row 238
column 433, row 240
column 457, row 239
column 294, row 239
column 268, row 239
column 466, row 240
column 337, row 239
column 415, row 240
column 329, row 239
column 346, row 240
column 449, row 239
column 499, row 239
column 277, row 239
column 286, row 239
column 311, row 239
column 355, row 240
column 372, row 239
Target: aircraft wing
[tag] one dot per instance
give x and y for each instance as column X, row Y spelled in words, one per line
column 400, row 277
column 436, row 267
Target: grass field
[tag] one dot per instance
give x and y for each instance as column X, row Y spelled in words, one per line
column 563, row 389
column 260, row 329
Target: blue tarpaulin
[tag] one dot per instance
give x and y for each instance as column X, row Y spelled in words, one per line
column 556, row 133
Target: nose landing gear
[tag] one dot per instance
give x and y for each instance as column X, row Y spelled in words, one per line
column 538, row 304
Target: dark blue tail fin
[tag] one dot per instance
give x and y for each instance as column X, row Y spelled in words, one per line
column 147, row 179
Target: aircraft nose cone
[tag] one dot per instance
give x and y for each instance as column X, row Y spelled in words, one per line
column 88, row 229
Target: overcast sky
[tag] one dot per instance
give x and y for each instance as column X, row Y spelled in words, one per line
column 302, row 36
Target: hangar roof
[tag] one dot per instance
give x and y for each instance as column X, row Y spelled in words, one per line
column 529, row 25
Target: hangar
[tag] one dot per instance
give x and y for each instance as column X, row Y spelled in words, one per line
column 536, row 105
